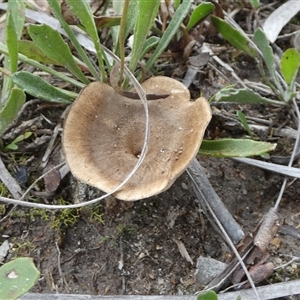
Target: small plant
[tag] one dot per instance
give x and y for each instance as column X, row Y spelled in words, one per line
column 17, row 277
column 282, row 85
column 14, row 144
column 47, row 46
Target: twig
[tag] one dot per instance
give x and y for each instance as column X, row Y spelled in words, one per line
column 49, row 148
column 203, row 189
column 217, row 220
column 59, row 265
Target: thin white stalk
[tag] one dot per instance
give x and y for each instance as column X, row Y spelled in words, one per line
column 295, row 150
column 226, row 236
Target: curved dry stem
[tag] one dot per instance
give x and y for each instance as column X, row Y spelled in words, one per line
column 294, row 153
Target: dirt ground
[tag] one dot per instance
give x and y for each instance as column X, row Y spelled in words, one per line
column 132, row 248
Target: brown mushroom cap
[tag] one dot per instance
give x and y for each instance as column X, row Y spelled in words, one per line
column 104, row 134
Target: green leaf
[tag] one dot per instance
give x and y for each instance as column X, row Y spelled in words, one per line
column 179, row 15
column 36, row 64
column 233, row 36
column 82, row 10
column 31, row 50
column 209, row 295
column 55, row 7
column 12, row 106
column 263, row 44
column 17, row 9
column 131, row 17
column 255, row 3
column 176, row 4
column 243, row 120
column 37, row 87
column 53, row 45
column 245, row 96
column 12, row 42
column 14, row 27
column 17, row 277
column 149, row 44
column 146, row 13
column 13, row 145
column 200, row 12
column 289, row 65
column 107, row 21
column 234, row 148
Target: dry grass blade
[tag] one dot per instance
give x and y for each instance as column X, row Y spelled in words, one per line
column 11, row 184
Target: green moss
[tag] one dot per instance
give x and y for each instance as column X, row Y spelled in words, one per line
column 22, row 249
column 4, row 192
column 65, row 217
column 96, row 213
column 38, row 212
column 20, row 214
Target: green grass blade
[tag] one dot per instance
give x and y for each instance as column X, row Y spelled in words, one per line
column 131, row 17
column 146, row 12
column 10, row 61
column 12, row 42
column 39, row 88
column 199, row 13
column 14, row 27
column 52, row 44
column 245, row 96
column 243, row 120
column 149, row 44
column 233, row 36
column 12, row 106
column 82, row 10
column 234, row 148
column 171, row 30
column 55, row 6
column 115, row 31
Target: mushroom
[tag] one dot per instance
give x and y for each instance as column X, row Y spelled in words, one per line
column 104, row 135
